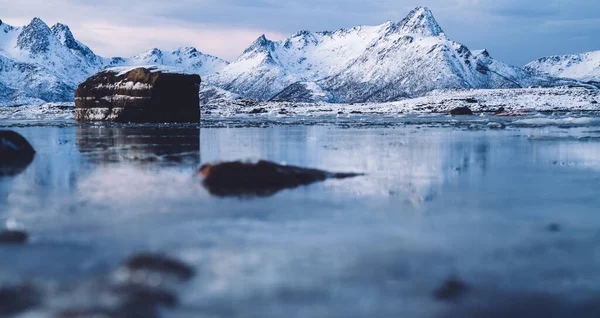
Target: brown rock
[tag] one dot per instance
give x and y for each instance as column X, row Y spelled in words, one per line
column 140, row 95
column 262, row 178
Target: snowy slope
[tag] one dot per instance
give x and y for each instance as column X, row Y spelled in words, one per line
column 187, row 60
column 368, row 63
column 41, row 64
column 584, row 66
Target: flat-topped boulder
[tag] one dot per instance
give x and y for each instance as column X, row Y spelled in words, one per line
column 141, row 95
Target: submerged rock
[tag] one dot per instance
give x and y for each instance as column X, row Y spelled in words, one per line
column 159, row 264
column 452, row 290
column 17, row 299
column 139, row 95
column 16, row 154
column 460, row 111
column 554, row 228
column 13, row 237
column 262, row 178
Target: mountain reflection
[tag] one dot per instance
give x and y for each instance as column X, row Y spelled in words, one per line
column 139, row 144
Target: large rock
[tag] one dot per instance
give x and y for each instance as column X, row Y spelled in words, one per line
column 139, row 95
column 16, row 153
column 263, row 178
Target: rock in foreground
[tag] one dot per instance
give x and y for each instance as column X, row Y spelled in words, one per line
column 262, row 178
column 15, row 153
column 140, row 95
column 13, row 237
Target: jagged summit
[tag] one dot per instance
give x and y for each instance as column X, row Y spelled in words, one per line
column 35, row 37
column 422, row 22
column 260, row 44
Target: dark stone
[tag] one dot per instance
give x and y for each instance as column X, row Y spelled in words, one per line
column 17, row 299
column 16, row 154
column 160, row 264
column 356, row 112
column 260, row 179
column 594, row 102
column 1, row 23
column 140, row 95
column 13, row 237
column 554, row 228
column 452, row 290
column 471, row 100
column 500, row 110
column 258, row 111
column 460, row 111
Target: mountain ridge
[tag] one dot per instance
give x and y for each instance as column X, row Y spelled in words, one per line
column 581, row 66
column 379, row 63
column 386, row 62
column 41, row 64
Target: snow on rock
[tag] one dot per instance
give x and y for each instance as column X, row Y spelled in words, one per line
column 559, row 99
column 584, row 66
column 382, row 63
column 183, row 60
column 40, row 64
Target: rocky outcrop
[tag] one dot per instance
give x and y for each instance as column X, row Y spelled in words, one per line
column 16, row 154
column 262, row 178
column 461, row 111
column 139, row 95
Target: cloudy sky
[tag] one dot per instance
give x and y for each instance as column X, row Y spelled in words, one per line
column 515, row 31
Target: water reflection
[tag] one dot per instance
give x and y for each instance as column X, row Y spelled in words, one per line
column 177, row 145
column 435, row 202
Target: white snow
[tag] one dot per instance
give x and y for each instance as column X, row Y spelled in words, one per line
column 39, row 64
column 388, row 62
column 584, row 66
column 519, row 101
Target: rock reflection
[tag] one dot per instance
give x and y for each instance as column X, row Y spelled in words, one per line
column 143, row 144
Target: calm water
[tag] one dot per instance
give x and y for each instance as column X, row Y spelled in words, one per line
column 440, row 199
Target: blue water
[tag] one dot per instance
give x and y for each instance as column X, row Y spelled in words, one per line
column 439, row 199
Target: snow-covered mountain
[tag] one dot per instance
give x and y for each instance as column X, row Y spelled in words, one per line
column 584, row 66
column 40, row 64
column 368, row 63
column 186, row 60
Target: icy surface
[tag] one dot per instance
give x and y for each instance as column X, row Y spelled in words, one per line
column 439, row 200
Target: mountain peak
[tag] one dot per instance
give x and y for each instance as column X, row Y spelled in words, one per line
column 261, row 44
column 64, row 35
column 421, row 21
column 35, row 37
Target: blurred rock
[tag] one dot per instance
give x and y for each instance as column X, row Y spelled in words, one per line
column 262, row 178
column 460, row 111
column 554, row 228
column 159, row 264
column 17, row 299
column 13, row 237
column 16, row 154
column 452, row 290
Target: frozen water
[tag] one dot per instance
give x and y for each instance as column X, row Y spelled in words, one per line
column 442, row 197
